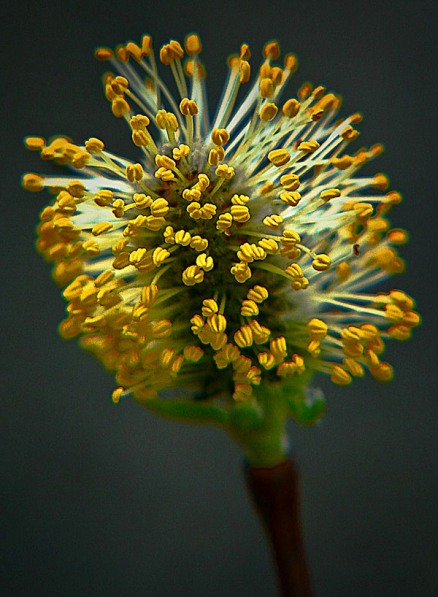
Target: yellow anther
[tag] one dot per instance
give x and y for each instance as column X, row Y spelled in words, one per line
column 103, row 54
column 313, row 348
column 192, row 66
column 279, row 157
column 224, row 221
column 181, row 237
column 266, row 87
column 118, row 208
column 217, row 323
column 134, row 51
column 243, row 337
column 244, row 72
column 209, row 307
column 343, row 271
column 382, row 372
column 274, row 222
column 267, row 187
column 169, row 235
column 182, row 151
column 164, row 174
column 146, row 45
column 321, row 263
column 245, row 53
column 208, row 210
column 291, row 198
column 104, row 278
column 278, row 348
column 394, row 313
column 248, row 252
column 76, row 188
column 119, row 107
column 225, row 171
column 154, row 222
column 268, row 112
column 242, row 391
column 240, row 213
column 198, row 243
column 205, row 262
column 194, row 210
column 354, row 367
column 266, row 360
column 290, row 182
column 276, row 75
column 139, row 122
column 249, row 308
column 290, row 238
column 188, row 107
column 329, row 194
column 142, row 201
column 140, row 139
column 380, row 181
column 220, row 136
column 397, row 236
column 191, row 194
column 193, row 353
column 139, row 312
column 162, row 328
column 192, row 275
column 269, row 245
column 192, row 44
column 239, row 199
column 34, row 143
column 399, row 332
column 363, row 210
column 258, row 294
column 177, row 364
column 241, row 272
column 101, row 228
column 134, row 172
column 139, row 256
column 166, row 120
column 119, row 85
column 159, row 207
column 33, row 182
column 349, row 133
column 318, row 329
column 387, row 259
column 203, row 182
column 393, row 198
column 118, row 392
column 286, row 368
column 271, row 50
column 291, row 108
column 197, row 324
column 119, row 246
column 81, row 159
column 215, row 156
column 340, row 376
column 159, row 255
column 103, row 197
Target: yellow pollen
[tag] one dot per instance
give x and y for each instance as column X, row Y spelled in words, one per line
column 162, row 328
column 181, row 237
column 321, row 263
column 188, row 107
column 329, row 194
column 159, row 255
column 220, row 136
column 217, row 323
column 225, row 171
column 274, row 222
column 278, row 348
column 268, row 112
column 205, row 262
column 134, row 172
column 34, row 143
column 244, row 71
column 269, row 245
column 340, row 376
column 258, row 294
column 120, row 107
column 279, row 157
column 192, row 275
column 198, row 243
column 241, row 272
column 266, row 360
column 193, row 44
column 249, row 308
column 209, row 307
column 271, row 50
column 290, row 182
column 266, row 87
column 101, row 228
column 318, row 329
column 291, row 108
column 240, row 213
column 182, row 151
column 224, row 221
column 193, row 353
column 243, row 337
column 33, row 182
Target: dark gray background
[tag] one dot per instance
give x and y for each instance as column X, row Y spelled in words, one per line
column 99, row 500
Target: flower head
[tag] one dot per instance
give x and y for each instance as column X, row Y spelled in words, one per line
column 236, row 253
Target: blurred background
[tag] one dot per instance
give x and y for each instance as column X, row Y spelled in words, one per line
column 99, row 500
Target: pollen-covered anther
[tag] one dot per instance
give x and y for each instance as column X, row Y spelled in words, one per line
column 164, row 174
column 244, row 71
column 159, row 207
column 363, row 211
column 220, row 136
column 162, row 328
column 249, row 252
column 308, row 146
column 290, row 182
column 240, row 213
column 134, row 172
column 209, row 307
column 205, row 262
column 260, row 333
column 216, row 155
column 225, row 171
column 166, row 120
column 241, row 272
column 266, row 87
column 249, row 308
column 313, row 348
column 119, row 107
column 278, row 348
column 100, row 228
column 33, row 182
column 286, row 368
column 271, row 50
column 269, row 245
column 354, row 367
column 329, row 194
column 118, row 208
column 224, row 221
column 340, row 376
column 268, row 112
column 182, row 151
column 321, row 263
column 159, row 255
column 242, row 391
column 266, row 360
column 244, row 337
column 318, row 329
column 274, row 221
column 299, row 281
column 182, row 237
column 193, row 44
column 188, row 107
column 382, row 372
column 192, row 275
column 198, row 243
column 257, row 294
column 193, row 353
column 279, row 157
column 94, row 145
column 141, row 259
column 291, row 108
column 142, row 201
column 217, row 323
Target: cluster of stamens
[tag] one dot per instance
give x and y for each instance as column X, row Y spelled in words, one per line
column 236, row 249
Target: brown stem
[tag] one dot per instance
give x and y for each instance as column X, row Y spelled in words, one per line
column 275, row 493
